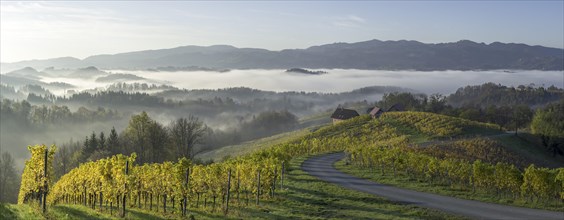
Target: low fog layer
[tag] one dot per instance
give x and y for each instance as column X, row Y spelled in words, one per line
column 335, row 81
column 338, row 80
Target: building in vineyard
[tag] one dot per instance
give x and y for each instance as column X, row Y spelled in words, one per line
column 375, row 112
column 342, row 114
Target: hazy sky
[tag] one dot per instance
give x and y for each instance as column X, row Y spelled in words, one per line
column 38, row 30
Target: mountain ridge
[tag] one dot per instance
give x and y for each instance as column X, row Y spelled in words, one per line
column 372, row 55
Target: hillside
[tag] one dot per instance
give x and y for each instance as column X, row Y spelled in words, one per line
column 373, row 54
column 119, row 77
column 396, row 141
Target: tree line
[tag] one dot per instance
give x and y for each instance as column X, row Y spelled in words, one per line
column 24, row 113
column 154, row 142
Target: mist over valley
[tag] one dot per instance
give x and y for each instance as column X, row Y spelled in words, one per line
column 205, row 94
column 281, row 110
column 226, row 87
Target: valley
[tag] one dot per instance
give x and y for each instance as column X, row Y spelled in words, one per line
column 281, row 110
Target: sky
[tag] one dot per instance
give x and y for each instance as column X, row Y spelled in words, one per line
column 40, row 30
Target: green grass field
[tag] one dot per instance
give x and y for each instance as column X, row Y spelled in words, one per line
column 251, row 146
column 307, row 124
column 11, row 211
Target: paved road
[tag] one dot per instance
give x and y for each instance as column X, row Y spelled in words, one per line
column 322, row 167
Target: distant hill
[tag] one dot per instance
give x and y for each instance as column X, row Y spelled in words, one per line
column 27, row 72
column 18, row 81
column 118, row 77
column 67, row 62
column 88, row 72
column 373, row 54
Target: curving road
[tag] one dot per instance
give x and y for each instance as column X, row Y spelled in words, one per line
column 322, row 168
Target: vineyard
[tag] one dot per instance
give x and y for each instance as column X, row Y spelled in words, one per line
column 472, row 149
column 438, row 126
column 180, row 183
column 37, row 175
column 240, row 182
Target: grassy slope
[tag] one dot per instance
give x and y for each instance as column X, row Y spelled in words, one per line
column 250, row 146
column 307, row 124
column 64, row 212
column 512, row 143
column 525, row 145
column 303, row 197
column 530, row 150
column 316, row 120
column 11, row 211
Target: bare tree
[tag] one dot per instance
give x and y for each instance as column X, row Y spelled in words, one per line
column 185, row 134
column 9, row 179
column 158, row 139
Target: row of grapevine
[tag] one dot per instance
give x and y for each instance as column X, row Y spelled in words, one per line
column 472, row 149
column 251, row 177
column 105, row 181
column 434, row 124
column 102, row 180
column 379, row 145
column 370, row 143
column 540, row 183
column 392, row 152
column 37, row 175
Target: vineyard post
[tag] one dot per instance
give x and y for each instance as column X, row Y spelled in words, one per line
column 282, row 177
column 238, row 186
column 228, row 189
column 124, row 189
column 139, row 194
column 84, row 195
column 186, row 185
column 258, row 186
column 274, row 181
column 46, row 182
column 101, row 197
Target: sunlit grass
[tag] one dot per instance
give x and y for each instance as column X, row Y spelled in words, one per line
column 250, row 146
column 11, row 211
